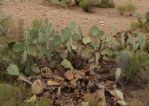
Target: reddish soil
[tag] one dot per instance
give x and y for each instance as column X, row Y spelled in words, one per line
column 107, row 19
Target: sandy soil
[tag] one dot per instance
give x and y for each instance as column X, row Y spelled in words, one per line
column 107, row 19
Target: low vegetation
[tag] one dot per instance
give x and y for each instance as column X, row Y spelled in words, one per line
column 4, row 23
column 135, row 25
column 44, row 49
column 41, row 66
column 11, row 95
column 107, row 4
column 86, row 5
column 127, row 10
column 141, row 23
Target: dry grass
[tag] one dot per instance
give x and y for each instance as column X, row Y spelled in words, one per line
column 12, row 95
column 128, row 9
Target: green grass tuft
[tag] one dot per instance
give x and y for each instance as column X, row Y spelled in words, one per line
column 12, row 95
column 128, row 9
column 135, row 25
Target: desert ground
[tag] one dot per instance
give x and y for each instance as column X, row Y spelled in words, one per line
column 107, row 19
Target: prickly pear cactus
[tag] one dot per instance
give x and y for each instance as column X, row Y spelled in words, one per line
column 86, row 53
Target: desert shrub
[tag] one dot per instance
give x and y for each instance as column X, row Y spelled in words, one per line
column 129, row 51
column 132, row 57
column 128, row 9
column 135, row 25
column 62, row 3
column 87, row 4
column 132, row 64
column 121, row 10
column 142, row 23
column 4, row 23
column 146, row 22
column 107, row 4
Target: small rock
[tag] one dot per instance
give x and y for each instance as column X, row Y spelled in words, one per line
column 37, row 87
column 52, row 83
column 69, row 75
column 58, row 78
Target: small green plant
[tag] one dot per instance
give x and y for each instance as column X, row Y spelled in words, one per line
column 128, row 9
column 107, row 4
column 135, row 25
column 132, row 64
column 85, row 5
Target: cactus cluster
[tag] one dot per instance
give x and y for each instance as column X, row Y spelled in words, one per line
column 44, row 46
column 131, row 57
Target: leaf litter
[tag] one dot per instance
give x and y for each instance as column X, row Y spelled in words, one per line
column 75, row 87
